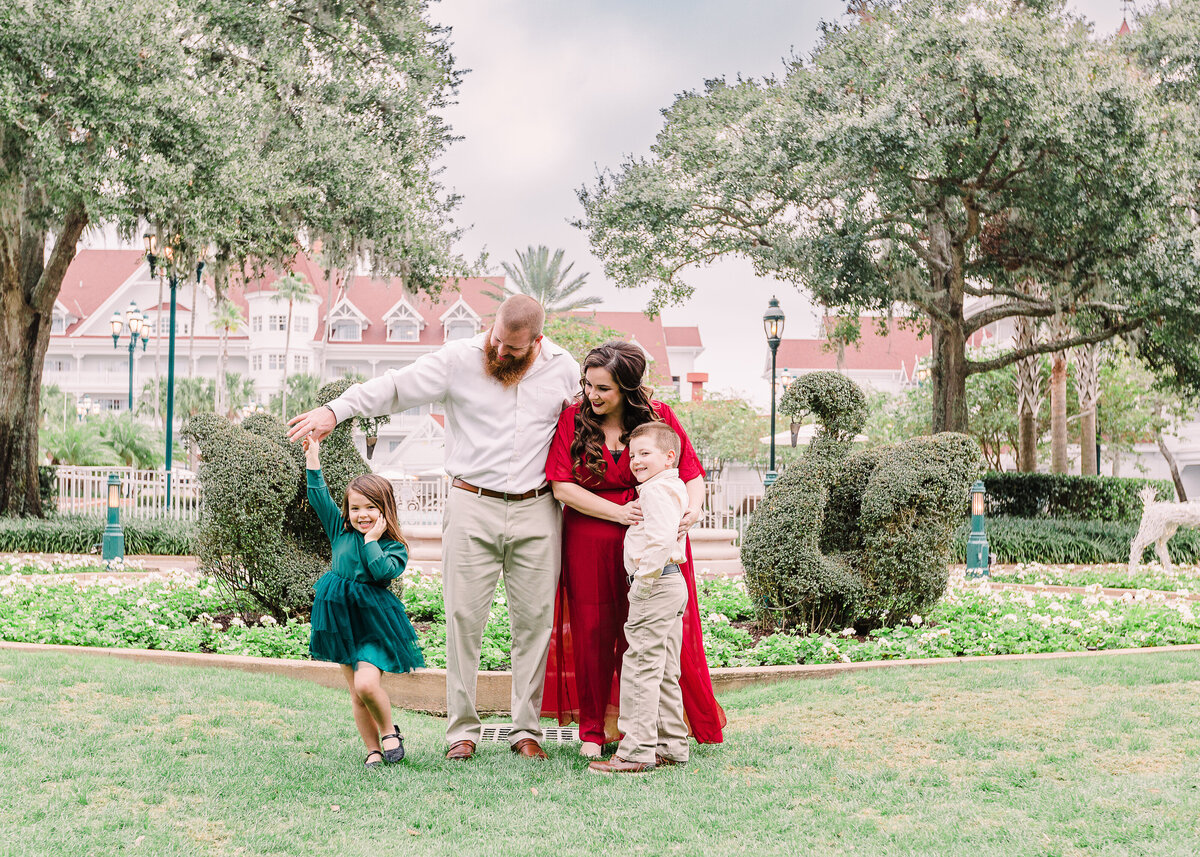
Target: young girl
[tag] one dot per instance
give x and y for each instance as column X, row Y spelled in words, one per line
column 356, row 621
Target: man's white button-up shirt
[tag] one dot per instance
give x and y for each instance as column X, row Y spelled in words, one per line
column 497, row 437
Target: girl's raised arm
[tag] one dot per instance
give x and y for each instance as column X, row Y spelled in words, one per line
column 318, row 491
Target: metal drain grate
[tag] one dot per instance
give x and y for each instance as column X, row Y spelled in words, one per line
column 550, row 734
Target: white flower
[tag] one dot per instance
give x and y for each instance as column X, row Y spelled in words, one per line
column 916, row 620
column 267, row 620
column 717, row 618
column 237, row 622
column 848, row 632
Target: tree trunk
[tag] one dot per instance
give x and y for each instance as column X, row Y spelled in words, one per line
column 29, row 285
column 1058, row 413
column 1029, row 388
column 1180, row 494
column 1087, row 365
column 1027, row 453
column 1088, row 465
column 287, row 346
column 949, row 379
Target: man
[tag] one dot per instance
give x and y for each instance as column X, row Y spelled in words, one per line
column 502, row 391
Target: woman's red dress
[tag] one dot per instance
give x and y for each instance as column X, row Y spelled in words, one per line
column 583, row 672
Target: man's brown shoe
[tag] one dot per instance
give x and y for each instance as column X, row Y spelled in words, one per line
column 460, row 751
column 664, row 762
column 530, row 749
column 617, row 765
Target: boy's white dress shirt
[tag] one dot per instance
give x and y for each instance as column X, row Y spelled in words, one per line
column 654, row 541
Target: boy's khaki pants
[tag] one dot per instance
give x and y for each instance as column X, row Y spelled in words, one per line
column 651, row 715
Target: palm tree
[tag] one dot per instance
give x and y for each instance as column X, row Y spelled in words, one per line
column 301, row 392
column 133, row 442
column 542, row 276
column 240, row 390
column 291, row 288
column 228, row 319
column 80, row 444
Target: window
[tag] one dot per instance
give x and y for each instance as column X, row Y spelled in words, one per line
column 403, row 330
column 256, row 324
column 275, row 361
column 256, row 363
column 299, row 362
column 277, row 322
column 110, row 404
column 300, row 324
column 58, row 324
column 345, row 331
column 460, row 328
column 56, row 364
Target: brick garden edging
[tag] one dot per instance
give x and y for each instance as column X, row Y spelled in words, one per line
column 425, row 691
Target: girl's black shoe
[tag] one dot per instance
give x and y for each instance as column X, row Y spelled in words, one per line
column 397, row 752
column 376, row 763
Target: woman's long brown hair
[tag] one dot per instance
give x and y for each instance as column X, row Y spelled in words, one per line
column 626, row 363
column 377, row 490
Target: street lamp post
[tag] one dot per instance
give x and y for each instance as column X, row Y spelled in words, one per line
column 773, row 325
column 173, row 281
column 136, row 324
column 978, row 560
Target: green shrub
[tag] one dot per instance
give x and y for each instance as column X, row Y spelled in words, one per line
column 257, row 531
column 862, row 540
column 1063, row 541
column 1059, row 495
column 48, row 488
column 82, row 534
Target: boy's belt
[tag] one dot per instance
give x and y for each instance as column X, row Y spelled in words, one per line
column 500, row 495
column 669, row 568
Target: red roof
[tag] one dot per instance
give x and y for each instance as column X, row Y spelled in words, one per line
column 647, row 332
column 900, row 346
column 92, row 277
column 102, row 272
column 682, row 337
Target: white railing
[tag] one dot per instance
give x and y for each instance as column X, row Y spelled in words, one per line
column 420, row 502
column 728, row 507
column 84, row 491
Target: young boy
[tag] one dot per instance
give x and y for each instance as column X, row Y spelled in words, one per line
column 651, row 717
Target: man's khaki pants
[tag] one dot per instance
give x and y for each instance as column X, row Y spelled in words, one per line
column 651, row 703
column 483, row 537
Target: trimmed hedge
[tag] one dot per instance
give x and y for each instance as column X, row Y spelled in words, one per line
column 48, row 488
column 82, row 534
column 1059, row 495
column 1063, row 541
column 863, row 539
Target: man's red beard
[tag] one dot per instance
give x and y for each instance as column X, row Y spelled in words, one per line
column 506, row 370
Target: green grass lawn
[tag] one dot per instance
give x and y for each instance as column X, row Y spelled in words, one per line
column 1081, row 757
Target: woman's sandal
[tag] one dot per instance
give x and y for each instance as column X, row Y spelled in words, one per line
column 397, row 752
column 377, row 764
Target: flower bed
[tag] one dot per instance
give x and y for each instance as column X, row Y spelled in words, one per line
column 1182, row 580
column 182, row 612
column 36, row 563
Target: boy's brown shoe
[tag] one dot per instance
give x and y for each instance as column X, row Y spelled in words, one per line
column 617, row 765
column 664, row 762
column 460, row 751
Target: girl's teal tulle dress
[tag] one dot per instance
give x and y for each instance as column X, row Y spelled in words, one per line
column 355, row 617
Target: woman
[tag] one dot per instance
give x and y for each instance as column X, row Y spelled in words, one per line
column 591, row 477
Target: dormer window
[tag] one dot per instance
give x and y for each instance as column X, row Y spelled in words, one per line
column 347, row 330
column 403, row 330
column 346, row 323
column 460, row 322
column 403, row 322
column 58, row 324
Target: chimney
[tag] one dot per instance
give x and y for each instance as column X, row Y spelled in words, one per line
column 697, row 380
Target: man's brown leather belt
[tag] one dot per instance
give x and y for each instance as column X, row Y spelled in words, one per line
column 500, row 495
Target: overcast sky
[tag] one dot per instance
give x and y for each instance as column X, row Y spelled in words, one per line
column 558, row 90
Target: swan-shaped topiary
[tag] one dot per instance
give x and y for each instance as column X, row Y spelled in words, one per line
column 855, row 540
column 258, row 533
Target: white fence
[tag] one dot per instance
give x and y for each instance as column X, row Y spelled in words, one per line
column 84, row 490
